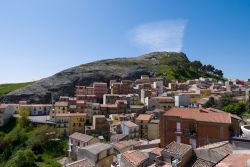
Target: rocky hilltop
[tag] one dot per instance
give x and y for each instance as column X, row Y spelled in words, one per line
column 64, row 82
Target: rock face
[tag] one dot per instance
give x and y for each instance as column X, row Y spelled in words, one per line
column 64, row 82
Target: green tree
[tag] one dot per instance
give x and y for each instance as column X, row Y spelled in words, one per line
column 219, row 73
column 236, row 108
column 210, row 103
column 24, row 113
column 225, row 101
column 23, row 158
column 42, row 138
column 196, row 64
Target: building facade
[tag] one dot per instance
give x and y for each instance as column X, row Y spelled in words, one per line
column 190, row 126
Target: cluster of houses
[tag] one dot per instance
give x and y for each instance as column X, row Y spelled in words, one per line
column 146, row 122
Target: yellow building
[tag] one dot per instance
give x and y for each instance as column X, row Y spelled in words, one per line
column 69, row 123
column 59, row 108
column 153, row 129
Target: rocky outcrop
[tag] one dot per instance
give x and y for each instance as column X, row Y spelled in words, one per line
column 64, row 82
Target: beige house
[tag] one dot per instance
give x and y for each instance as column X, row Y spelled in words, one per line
column 142, row 121
column 160, row 102
column 154, row 129
column 59, row 108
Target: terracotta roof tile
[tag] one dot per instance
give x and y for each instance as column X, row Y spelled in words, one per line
column 235, row 160
column 219, row 150
column 177, row 148
column 198, row 114
column 157, row 151
column 144, row 117
column 135, row 157
column 202, row 163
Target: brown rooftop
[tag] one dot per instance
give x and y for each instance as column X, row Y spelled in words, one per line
column 198, row 114
column 157, row 151
column 177, row 148
column 235, row 160
column 135, row 157
column 81, row 137
column 144, row 117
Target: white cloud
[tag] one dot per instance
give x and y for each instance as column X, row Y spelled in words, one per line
column 160, row 36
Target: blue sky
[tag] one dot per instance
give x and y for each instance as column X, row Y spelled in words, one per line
column 42, row 37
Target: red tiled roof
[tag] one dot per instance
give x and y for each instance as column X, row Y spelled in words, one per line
column 178, row 148
column 235, row 160
column 144, row 117
column 157, row 151
column 135, row 157
column 198, row 114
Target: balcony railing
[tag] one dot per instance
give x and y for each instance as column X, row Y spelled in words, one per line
column 185, row 132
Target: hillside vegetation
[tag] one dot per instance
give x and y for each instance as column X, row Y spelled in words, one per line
column 176, row 66
column 25, row 145
column 7, row 88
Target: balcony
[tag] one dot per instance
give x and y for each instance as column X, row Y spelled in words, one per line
column 178, row 131
column 185, row 132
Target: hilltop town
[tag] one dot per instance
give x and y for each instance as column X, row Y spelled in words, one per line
column 138, row 123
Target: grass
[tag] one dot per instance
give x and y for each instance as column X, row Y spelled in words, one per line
column 7, row 88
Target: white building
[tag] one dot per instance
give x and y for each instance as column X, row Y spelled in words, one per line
column 131, row 129
column 182, row 100
column 38, row 109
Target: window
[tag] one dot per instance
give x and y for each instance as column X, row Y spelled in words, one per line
column 178, row 139
column 178, row 126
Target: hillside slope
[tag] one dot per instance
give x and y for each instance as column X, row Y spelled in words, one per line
column 169, row 65
column 10, row 87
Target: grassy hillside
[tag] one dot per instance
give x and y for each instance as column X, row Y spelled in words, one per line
column 7, row 88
